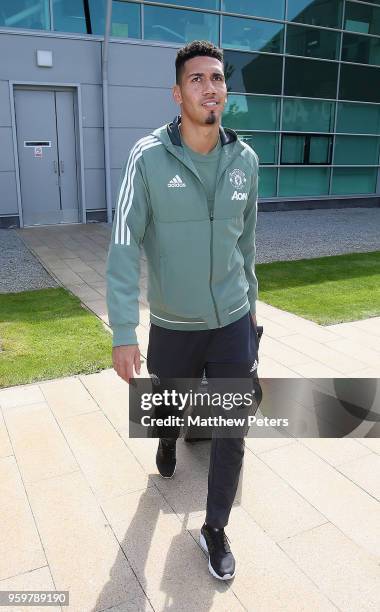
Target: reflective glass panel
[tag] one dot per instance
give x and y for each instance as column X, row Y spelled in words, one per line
column 319, row 149
column 29, row 14
column 252, row 35
column 125, row 18
column 203, row 4
column 359, row 83
column 292, row 149
column 356, row 150
column 310, row 78
column 267, row 182
column 312, row 42
column 253, row 73
column 69, row 16
column 362, row 18
column 308, row 115
column 179, row 26
column 275, row 9
column 354, row 180
column 317, row 12
column 265, row 145
column 359, row 118
column 304, row 181
column 251, row 112
column 305, row 149
column 362, row 49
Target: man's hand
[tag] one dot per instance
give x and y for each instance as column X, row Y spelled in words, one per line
column 124, row 358
column 254, row 319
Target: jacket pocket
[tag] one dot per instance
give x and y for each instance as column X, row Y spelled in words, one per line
column 180, row 295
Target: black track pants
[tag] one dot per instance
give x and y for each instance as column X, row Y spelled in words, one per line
column 226, row 352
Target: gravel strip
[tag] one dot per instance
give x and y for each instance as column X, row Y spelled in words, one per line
column 20, row 270
column 293, row 234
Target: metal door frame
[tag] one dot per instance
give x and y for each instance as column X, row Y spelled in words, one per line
column 76, row 89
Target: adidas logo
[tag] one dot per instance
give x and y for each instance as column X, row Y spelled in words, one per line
column 254, row 367
column 176, row 181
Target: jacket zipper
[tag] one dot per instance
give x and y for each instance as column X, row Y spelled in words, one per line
column 211, row 217
column 211, row 250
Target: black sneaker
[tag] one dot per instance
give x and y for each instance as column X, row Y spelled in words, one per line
column 221, row 561
column 166, row 457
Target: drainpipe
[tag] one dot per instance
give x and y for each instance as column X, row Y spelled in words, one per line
column 107, row 163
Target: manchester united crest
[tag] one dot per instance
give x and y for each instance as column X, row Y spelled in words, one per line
column 238, row 178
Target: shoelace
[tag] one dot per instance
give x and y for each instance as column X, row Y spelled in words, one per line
column 223, row 539
column 168, row 448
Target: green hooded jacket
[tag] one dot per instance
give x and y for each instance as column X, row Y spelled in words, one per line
column 201, row 263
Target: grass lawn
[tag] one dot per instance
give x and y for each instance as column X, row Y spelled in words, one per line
column 47, row 334
column 327, row 289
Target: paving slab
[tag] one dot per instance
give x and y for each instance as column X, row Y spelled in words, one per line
column 82, row 551
column 20, row 544
column 346, row 574
column 340, row 500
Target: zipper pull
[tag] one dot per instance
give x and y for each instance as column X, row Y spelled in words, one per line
column 211, row 217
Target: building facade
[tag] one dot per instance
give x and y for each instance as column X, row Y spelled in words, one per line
column 304, row 90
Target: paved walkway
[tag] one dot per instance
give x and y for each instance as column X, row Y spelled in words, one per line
column 83, row 508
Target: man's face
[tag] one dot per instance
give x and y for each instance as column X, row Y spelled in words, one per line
column 202, row 91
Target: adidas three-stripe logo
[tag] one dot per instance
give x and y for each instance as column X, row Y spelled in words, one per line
column 176, row 181
column 126, row 193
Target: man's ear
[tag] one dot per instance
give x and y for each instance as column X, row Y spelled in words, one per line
column 176, row 91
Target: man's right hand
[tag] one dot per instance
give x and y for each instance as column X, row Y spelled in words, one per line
column 124, row 358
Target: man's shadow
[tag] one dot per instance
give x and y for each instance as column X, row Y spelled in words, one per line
column 172, row 505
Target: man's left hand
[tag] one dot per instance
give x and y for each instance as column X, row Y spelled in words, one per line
column 254, row 319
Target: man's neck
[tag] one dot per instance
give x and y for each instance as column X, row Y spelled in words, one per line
column 199, row 138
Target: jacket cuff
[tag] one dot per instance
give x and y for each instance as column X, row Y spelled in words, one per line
column 123, row 335
column 253, row 307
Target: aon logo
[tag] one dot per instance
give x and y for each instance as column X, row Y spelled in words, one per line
column 239, row 196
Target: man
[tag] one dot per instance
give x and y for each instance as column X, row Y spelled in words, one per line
column 188, row 196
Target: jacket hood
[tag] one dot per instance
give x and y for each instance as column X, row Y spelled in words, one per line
column 169, row 134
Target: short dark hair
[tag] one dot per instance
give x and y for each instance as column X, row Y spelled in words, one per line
column 194, row 49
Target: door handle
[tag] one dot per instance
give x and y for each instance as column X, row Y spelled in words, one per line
column 61, row 167
column 55, row 166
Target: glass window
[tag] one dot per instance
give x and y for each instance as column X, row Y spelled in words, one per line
column 265, row 145
column 310, row 78
column 253, row 73
column 362, row 18
column 69, row 16
column 33, row 15
column 317, row 12
column 353, row 180
column 356, row 150
column 305, row 149
column 267, row 182
column 179, row 26
column 319, row 149
column 304, row 181
column 312, row 42
column 359, row 118
column 363, row 49
column 203, row 4
column 292, row 149
column 308, row 115
column 251, row 112
column 125, row 18
column 359, row 83
column 275, row 9
column 252, row 35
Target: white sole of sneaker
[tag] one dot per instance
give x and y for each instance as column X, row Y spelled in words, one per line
column 168, row 477
column 203, row 544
